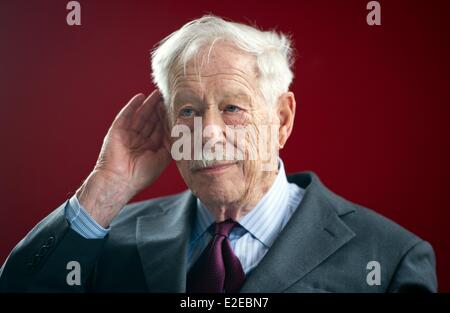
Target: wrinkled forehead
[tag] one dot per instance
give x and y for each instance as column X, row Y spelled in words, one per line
column 218, row 61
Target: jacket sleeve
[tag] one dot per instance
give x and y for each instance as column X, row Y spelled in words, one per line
column 43, row 260
column 416, row 271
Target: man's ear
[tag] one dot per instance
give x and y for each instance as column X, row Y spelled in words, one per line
column 286, row 114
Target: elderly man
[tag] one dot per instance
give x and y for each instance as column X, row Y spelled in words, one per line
column 243, row 225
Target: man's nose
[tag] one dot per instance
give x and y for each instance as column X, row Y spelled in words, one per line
column 213, row 125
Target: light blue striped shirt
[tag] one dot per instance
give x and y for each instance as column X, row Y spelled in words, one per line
column 81, row 222
column 250, row 240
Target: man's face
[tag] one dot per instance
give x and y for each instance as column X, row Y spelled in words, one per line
column 221, row 87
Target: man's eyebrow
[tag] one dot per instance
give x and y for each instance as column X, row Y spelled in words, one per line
column 187, row 96
column 184, row 96
column 235, row 94
column 238, row 95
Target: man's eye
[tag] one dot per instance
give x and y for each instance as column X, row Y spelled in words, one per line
column 187, row 112
column 232, row 108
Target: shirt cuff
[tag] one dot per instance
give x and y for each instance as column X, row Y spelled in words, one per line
column 81, row 222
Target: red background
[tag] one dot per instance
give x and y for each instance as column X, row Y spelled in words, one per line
column 373, row 117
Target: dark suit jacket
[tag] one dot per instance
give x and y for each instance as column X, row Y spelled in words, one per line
column 325, row 247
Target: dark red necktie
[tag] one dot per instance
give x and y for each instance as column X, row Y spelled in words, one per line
column 218, row 269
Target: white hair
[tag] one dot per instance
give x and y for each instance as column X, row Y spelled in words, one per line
column 273, row 52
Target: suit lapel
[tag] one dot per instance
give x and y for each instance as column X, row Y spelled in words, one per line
column 162, row 240
column 314, row 232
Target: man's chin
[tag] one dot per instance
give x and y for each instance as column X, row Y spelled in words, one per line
column 217, row 192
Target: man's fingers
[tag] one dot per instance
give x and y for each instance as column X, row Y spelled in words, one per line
column 166, row 141
column 146, row 111
column 162, row 115
column 147, row 117
column 156, row 138
column 148, row 107
column 130, row 108
column 149, row 126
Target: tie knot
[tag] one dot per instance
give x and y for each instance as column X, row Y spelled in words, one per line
column 224, row 228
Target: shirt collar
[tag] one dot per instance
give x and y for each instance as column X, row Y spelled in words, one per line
column 262, row 220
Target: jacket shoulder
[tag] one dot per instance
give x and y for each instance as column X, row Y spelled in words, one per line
column 376, row 228
column 369, row 226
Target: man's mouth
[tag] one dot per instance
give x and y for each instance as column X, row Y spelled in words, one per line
column 215, row 168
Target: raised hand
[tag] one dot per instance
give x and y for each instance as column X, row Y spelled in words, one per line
column 135, row 152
